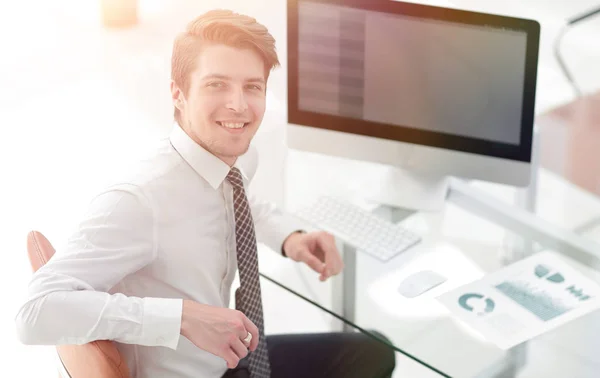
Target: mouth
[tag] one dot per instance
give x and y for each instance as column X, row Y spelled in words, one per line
column 233, row 125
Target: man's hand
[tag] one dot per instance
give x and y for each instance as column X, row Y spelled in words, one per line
column 317, row 250
column 218, row 330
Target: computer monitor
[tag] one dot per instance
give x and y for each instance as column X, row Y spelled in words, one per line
column 431, row 92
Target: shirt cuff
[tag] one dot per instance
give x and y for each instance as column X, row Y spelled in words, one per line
column 162, row 322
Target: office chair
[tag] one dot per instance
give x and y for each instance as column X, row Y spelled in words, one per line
column 98, row 359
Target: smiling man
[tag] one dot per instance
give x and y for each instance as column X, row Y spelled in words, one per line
column 152, row 263
column 220, row 105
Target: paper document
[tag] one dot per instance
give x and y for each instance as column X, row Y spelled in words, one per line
column 524, row 299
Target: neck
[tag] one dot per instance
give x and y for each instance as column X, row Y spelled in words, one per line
column 229, row 161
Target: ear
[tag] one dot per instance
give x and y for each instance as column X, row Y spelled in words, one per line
column 177, row 95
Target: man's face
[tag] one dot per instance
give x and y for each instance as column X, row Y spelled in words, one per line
column 225, row 102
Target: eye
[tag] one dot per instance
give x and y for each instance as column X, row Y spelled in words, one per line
column 216, row 84
column 254, row 87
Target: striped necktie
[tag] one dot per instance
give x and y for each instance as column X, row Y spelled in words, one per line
column 247, row 296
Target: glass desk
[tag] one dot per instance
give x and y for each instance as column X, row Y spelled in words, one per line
column 464, row 241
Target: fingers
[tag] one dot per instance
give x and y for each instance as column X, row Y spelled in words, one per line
column 312, row 261
column 333, row 260
column 231, row 358
column 239, row 348
column 250, row 327
column 236, row 349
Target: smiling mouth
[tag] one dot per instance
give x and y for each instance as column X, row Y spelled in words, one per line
column 233, row 125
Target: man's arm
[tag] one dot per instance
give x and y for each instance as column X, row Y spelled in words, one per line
column 273, row 226
column 67, row 299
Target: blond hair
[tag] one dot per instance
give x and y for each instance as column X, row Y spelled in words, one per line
column 224, row 27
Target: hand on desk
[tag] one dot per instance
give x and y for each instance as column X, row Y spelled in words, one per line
column 219, row 331
column 317, row 250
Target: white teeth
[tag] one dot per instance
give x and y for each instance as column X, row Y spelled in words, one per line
column 232, row 125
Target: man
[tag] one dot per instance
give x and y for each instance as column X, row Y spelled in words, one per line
column 155, row 257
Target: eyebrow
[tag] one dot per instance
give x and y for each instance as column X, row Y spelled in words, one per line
column 225, row 77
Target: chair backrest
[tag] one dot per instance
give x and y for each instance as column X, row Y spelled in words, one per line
column 98, row 359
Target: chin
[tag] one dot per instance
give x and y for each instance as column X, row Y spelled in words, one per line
column 235, row 152
column 242, row 151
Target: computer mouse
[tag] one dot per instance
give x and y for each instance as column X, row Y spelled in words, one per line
column 419, row 283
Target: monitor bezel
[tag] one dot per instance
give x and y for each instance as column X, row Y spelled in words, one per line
column 520, row 152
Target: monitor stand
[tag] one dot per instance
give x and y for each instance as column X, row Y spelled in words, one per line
column 412, row 190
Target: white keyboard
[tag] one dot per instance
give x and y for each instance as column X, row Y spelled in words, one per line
column 359, row 228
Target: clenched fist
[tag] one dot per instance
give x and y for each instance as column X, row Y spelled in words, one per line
column 219, row 331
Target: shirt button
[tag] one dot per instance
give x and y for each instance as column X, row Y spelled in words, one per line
column 161, row 339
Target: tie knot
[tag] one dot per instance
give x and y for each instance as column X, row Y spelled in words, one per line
column 235, row 178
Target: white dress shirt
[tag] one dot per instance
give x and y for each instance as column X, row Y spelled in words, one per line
column 164, row 234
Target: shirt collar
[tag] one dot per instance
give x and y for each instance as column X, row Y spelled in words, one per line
column 207, row 165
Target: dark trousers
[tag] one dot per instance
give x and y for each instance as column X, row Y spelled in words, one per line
column 324, row 355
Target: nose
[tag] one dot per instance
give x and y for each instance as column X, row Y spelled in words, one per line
column 237, row 101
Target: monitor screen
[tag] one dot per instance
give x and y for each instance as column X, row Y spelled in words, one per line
column 414, row 73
